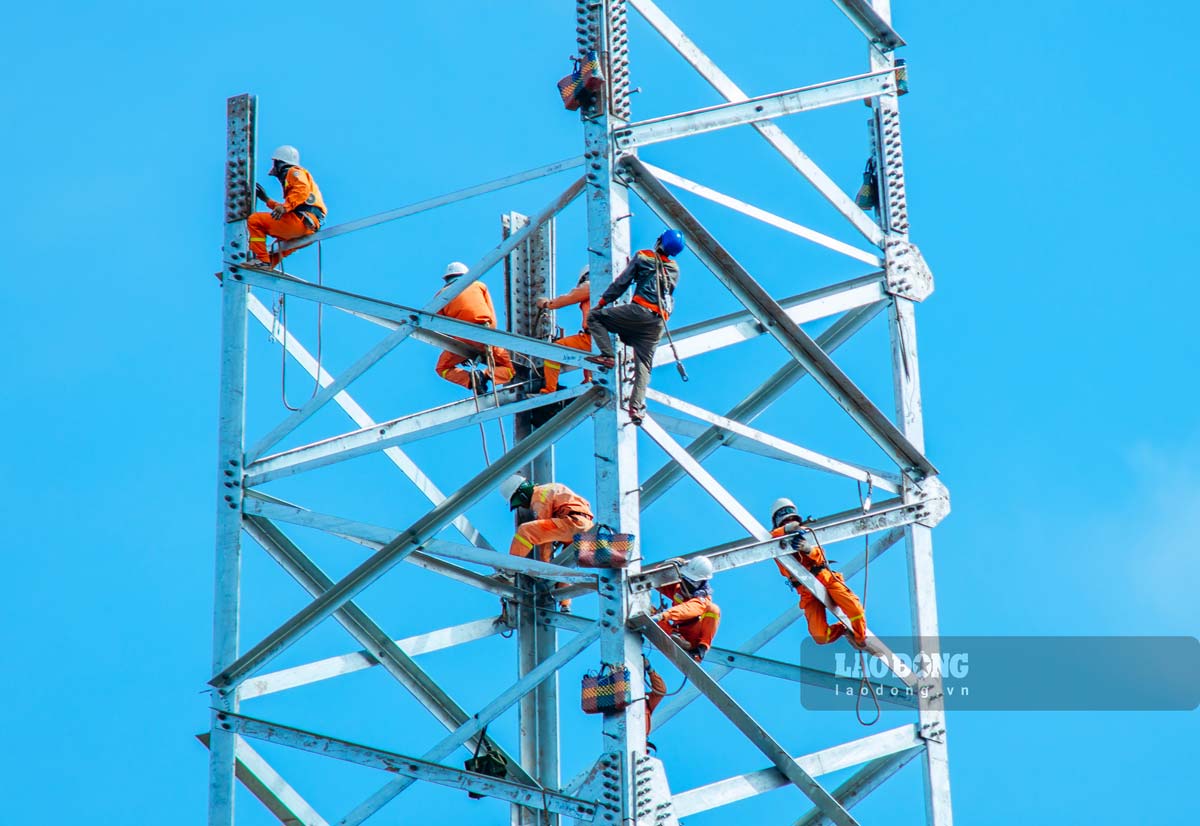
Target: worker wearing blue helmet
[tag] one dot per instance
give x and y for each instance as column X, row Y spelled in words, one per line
column 640, row 323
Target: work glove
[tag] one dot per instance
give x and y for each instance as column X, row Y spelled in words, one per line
column 797, row 542
column 278, row 212
column 542, row 302
column 260, row 193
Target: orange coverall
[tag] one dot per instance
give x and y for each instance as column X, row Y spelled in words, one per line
column 474, row 305
column 582, row 340
column 299, row 190
column 696, row 620
column 558, row 514
column 814, row 610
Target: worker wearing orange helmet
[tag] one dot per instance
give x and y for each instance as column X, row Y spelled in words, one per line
column 785, row 521
column 691, row 621
column 581, row 295
column 300, row 213
column 473, row 305
column 558, row 514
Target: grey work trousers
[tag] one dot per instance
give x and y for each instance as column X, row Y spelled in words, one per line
column 640, row 329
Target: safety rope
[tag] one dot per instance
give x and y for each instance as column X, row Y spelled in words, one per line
column 482, row 431
column 281, row 314
column 862, row 660
column 491, row 360
column 658, row 272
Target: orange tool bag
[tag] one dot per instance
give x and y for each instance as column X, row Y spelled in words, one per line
column 606, row 690
column 581, row 85
column 602, row 547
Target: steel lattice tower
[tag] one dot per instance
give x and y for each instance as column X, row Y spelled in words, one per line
column 625, row 784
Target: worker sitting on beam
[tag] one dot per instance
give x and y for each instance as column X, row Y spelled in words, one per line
column 785, row 521
column 473, row 305
column 581, row 295
column 691, row 620
column 640, row 323
column 300, row 213
column 558, row 514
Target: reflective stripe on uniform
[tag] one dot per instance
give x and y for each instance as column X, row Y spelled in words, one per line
column 523, row 541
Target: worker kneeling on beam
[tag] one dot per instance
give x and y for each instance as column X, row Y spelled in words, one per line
column 786, row 522
column 691, row 620
column 558, row 514
column 640, row 324
column 581, row 295
column 473, row 305
column 301, row 212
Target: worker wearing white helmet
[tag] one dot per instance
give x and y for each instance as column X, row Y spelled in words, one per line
column 692, row 619
column 581, row 295
column 786, row 522
column 300, row 213
column 473, row 305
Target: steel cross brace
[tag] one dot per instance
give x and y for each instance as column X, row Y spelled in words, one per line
column 826, row 761
column 739, row 282
column 743, row 721
column 755, row 110
column 243, row 273
column 862, row 783
column 262, row 781
column 395, row 551
column 771, row 132
column 411, row 768
column 403, row 430
column 373, row 535
column 473, row 726
column 750, row 407
column 360, row 417
column 360, row 626
column 734, row 328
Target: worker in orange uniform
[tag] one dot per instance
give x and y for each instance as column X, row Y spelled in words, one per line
column 474, row 305
column 558, row 514
column 787, row 522
column 300, row 213
column 641, row 322
column 691, row 621
column 581, row 295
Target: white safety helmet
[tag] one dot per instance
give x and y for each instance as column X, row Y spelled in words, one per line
column 583, row 275
column 781, row 510
column 288, row 154
column 454, row 269
column 697, row 569
column 509, row 486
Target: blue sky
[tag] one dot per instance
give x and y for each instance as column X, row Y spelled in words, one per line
column 1048, row 157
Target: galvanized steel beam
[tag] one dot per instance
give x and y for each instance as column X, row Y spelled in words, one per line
column 826, row 373
column 872, row 24
column 266, row 784
column 754, row 110
column 862, row 783
column 411, row 768
column 395, row 551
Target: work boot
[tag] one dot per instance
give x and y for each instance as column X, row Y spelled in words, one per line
column 636, row 414
column 602, row 360
column 564, row 606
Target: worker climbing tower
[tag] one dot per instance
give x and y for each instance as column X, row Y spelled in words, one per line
column 521, row 761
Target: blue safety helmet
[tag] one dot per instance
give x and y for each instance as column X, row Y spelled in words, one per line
column 671, row 242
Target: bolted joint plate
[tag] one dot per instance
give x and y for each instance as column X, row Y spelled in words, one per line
column 908, row 276
column 240, row 111
column 653, row 793
column 596, row 784
column 936, row 502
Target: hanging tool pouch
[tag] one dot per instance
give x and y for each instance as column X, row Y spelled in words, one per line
column 581, row 85
column 868, row 193
column 488, row 763
column 602, row 547
column 607, row 690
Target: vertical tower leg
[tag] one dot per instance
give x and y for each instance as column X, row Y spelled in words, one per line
column 907, row 385
column 239, row 183
column 529, row 274
column 604, row 28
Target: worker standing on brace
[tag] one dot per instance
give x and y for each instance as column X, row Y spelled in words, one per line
column 300, row 213
column 785, row 521
column 581, row 295
column 558, row 514
column 640, row 324
column 474, row 305
column 692, row 620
